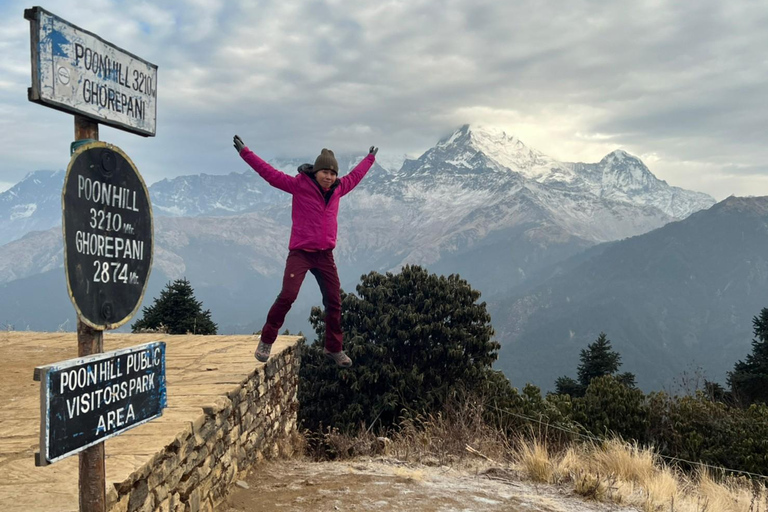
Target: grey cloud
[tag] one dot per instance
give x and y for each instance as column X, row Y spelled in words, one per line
column 683, row 80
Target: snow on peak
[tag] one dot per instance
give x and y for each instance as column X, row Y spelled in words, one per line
column 510, row 152
column 619, row 155
column 22, row 211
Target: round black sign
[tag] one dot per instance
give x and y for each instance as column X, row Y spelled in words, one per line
column 108, row 235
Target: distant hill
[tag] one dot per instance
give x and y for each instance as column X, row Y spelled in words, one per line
column 682, row 295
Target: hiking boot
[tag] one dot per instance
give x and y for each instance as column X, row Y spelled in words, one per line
column 340, row 358
column 262, row 351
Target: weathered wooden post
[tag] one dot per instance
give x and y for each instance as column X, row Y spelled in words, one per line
column 107, row 226
column 92, row 475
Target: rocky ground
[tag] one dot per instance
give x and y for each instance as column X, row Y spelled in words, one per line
column 390, row 485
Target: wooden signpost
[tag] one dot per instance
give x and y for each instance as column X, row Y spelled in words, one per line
column 108, row 240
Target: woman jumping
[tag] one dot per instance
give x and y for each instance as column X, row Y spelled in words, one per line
column 316, row 192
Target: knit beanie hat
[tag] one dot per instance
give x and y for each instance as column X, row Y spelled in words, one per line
column 326, row 160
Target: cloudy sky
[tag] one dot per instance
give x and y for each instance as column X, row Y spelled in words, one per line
column 683, row 85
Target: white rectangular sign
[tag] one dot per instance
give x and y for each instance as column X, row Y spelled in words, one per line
column 78, row 72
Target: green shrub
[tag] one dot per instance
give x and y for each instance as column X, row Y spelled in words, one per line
column 610, row 407
column 416, row 339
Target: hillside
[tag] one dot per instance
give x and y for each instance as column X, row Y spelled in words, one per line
column 678, row 297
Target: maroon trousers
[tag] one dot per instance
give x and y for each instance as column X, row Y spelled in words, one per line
column 323, row 267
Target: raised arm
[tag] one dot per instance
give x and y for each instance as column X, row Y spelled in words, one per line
column 271, row 175
column 350, row 181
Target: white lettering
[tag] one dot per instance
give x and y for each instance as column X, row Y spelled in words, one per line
column 73, row 406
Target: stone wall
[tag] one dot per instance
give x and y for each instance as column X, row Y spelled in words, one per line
column 254, row 421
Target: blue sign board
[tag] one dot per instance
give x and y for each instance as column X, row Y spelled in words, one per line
column 87, row 400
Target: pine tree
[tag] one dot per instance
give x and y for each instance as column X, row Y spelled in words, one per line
column 415, row 338
column 178, row 311
column 749, row 379
column 597, row 360
column 568, row 386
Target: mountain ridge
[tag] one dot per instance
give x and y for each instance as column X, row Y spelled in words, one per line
column 683, row 293
column 459, row 208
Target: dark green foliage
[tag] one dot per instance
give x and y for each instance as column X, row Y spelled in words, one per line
column 715, row 392
column 597, row 360
column 749, row 378
column 610, row 407
column 696, row 428
column 415, row 339
column 689, row 428
column 568, row 386
column 176, row 310
column 549, row 417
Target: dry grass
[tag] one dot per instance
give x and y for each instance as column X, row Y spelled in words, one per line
column 611, row 471
column 534, row 460
column 628, row 474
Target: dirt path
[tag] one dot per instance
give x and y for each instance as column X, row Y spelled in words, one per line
column 393, row 486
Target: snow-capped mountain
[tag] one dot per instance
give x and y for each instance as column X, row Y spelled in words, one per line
column 479, row 203
column 212, row 195
column 618, row 177
column 33, row 204
column 485, row 164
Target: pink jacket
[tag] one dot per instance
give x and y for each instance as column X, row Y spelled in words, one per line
column 314, row 223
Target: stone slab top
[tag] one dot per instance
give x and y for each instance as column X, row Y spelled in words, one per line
column 199, row 369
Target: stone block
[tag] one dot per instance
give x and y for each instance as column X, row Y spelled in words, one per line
column 198, row 423
column 194, row 500
column 187, row 448
column 139, row 496
column 191, row 462
column 220, row 405
column 164, row 506
column 223, row 421
column 170, row 463
column 121, row 505
column 197, row 440
column 176, row 505
column 112, row 496
column 147, row 507
column 270, row 369
column 233, row 392
column 208, row 429
column 217, row 471
column 205, row 486
column 156, row 478
column 204, row 452
column 161, row 493
column 175, row 478
column 187, row 485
